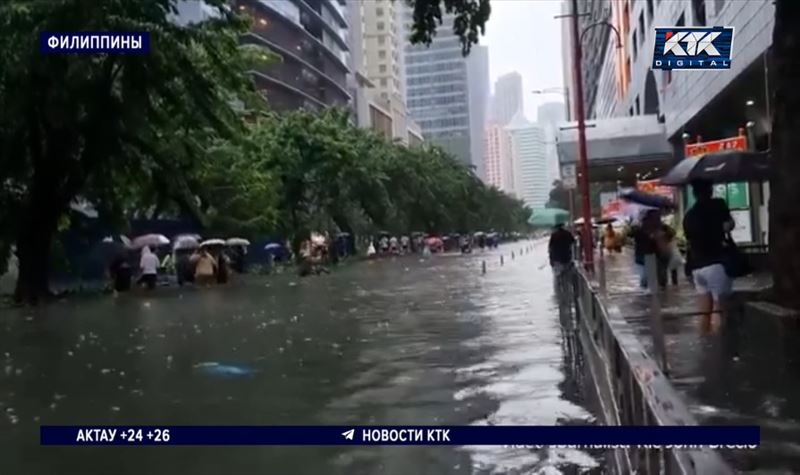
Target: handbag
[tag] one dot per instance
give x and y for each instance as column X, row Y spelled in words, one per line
column 733, row 259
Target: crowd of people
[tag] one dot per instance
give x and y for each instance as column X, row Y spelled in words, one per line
column 707, row 261
column 202, row 266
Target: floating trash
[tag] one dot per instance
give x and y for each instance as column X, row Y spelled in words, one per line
column 214, row 368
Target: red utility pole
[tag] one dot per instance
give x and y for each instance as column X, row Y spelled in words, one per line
column 583, row 163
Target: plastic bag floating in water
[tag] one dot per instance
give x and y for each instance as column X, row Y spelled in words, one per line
column 212, row 367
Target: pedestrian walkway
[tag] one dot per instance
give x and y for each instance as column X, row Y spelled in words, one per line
column 745, row 372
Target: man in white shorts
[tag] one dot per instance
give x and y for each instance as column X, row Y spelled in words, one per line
column 706, row 226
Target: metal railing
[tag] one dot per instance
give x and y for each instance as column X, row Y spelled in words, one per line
column 631, row 388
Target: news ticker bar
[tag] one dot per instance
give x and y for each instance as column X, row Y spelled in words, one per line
column 94, row 42
column 711, row 436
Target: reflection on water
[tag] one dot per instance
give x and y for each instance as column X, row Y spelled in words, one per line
column 403, row 341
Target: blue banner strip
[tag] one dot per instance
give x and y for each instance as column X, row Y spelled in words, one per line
column 402, row 435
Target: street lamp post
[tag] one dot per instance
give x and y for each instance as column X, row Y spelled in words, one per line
column 583, row 162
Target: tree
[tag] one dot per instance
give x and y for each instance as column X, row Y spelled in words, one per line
column 469, row 24
column 559, row 196
column 784, row 213
column 89, row 125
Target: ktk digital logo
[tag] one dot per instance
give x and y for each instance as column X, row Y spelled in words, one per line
column 693, row 48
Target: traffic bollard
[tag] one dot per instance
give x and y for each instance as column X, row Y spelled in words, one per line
column 483, row 267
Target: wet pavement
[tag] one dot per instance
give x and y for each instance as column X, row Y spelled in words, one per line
column 742, row 373
column 398, row 341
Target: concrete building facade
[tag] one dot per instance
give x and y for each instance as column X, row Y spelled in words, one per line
column 379, row 91
column 311, row 39
column 530, row 162
column 628, row 86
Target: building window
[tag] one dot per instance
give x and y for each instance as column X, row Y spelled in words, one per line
column 382, row 54
column 642, row 32
column 635, row 45
column 379, row 11
column 638, row 110
column 381, row 40
column 382, row 68
column 667, row 76
column 681, row 20
column 381, row 26
column 383, row 82
column 649, row 10
column 699, row 9
column 718, row 5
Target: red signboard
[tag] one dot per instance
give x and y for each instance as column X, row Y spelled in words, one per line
column 733, row 143
column 612, row 208
column 653, row 186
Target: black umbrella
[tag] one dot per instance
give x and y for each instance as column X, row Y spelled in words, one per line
column 720, row 167
column 647, row 199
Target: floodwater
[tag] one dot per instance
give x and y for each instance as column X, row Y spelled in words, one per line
column 394, row 342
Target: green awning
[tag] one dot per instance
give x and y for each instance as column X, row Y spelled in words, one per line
column 549, row 217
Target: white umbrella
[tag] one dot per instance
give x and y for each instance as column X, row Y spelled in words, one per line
column 212, row 242
column 186, row 242
column 120, row 238
column 151, row 240
column 272, row 246
column 237, row 242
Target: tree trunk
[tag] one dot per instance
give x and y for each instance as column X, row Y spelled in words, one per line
column 34, row 246
column 784, row 211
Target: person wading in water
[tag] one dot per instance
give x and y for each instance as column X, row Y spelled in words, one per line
column 707, row 225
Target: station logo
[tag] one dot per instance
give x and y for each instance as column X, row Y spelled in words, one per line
column 693, row 48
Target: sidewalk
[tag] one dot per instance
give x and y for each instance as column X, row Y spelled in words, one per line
column 760, row 387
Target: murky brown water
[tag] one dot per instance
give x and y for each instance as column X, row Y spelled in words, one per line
column 400, row 341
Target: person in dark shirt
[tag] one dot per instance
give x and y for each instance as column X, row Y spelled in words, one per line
column 560, row 248
column 706, row 226
column 120, row 273
column 652, row 236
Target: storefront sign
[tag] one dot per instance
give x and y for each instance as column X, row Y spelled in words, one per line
column 653, row 186
column 733, row 143
column 743, row 231
column 735, row 194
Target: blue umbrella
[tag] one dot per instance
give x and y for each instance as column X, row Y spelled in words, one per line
column 647, row 199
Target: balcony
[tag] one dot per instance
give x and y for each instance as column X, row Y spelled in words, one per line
column 283, row 23
column 294, row 73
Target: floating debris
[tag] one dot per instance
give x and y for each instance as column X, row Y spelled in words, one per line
column 214, row 368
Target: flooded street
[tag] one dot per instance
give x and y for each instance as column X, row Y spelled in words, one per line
column 395, row 342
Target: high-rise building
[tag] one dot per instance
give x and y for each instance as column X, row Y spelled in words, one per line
column 383, row 42
column 439, row 96
column 498, row 159
column 595, row 44
column 549, row 116
column 478, row 84
column 378, row 105
column 310, row 37
column 530, row 161
column 507, row 98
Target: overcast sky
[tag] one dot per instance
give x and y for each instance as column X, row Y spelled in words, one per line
column 523, row 36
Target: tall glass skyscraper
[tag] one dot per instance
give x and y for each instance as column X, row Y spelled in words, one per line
column 447, row 94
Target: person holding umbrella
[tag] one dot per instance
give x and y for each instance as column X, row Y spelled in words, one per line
column 149, row 266
column 707, row 225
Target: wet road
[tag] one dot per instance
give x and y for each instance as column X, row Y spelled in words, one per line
column 400, row 341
